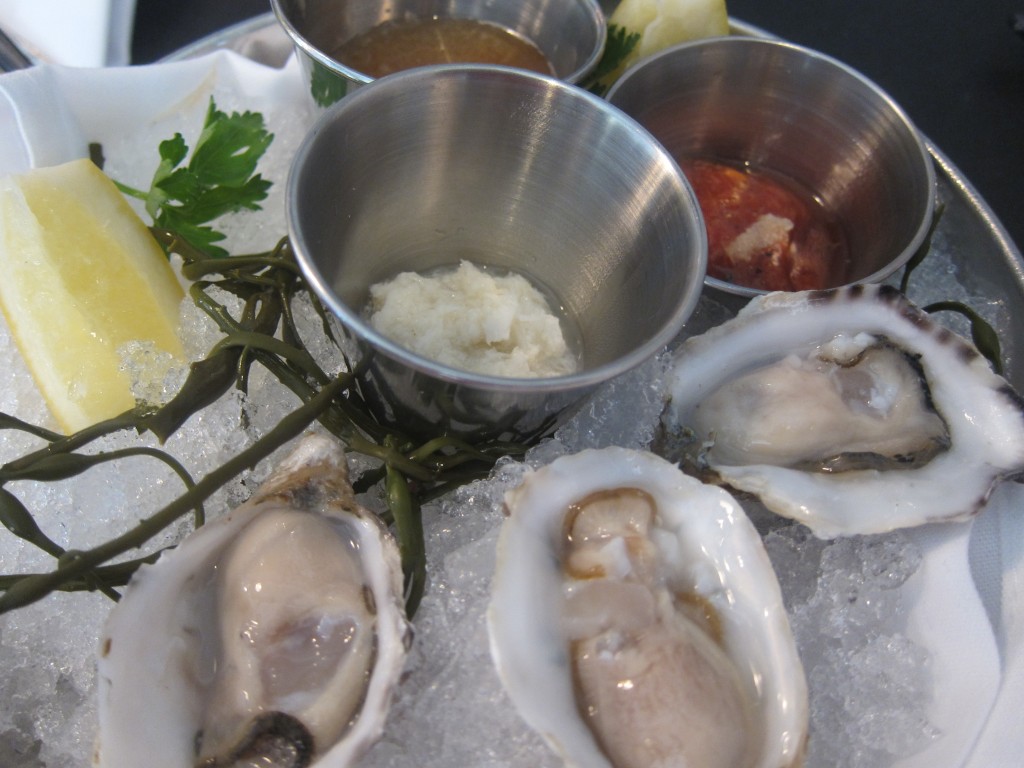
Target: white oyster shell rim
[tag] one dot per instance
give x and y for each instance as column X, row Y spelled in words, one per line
column 150, row 708
column 983, row 415
column 717, row 546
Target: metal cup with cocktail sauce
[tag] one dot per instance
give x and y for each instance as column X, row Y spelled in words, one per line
column 786, row 110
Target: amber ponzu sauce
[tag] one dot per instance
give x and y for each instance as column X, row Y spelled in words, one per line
column 397, row 45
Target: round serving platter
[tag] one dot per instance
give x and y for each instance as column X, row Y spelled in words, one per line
column 983, row 261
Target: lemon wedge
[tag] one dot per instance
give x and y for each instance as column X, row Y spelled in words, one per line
column 662, row 23
column 80, row 276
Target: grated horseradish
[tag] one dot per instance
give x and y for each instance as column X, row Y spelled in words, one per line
column 470, row 319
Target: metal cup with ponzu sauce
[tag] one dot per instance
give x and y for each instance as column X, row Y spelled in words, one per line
column 342, row 44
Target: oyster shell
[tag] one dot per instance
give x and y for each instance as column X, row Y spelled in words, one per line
column 274, row 634
column 849, row 410
column 635, row 620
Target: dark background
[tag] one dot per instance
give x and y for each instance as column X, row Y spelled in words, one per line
column 956, row 67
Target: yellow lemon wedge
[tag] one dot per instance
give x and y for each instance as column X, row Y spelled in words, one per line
column 80, row 276
column 662, row 23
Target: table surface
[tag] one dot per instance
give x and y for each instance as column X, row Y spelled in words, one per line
column 956, row 68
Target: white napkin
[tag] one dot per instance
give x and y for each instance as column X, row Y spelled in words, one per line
column 80, row 33
column 49, row 114
column 998, row 556
column 947, row 616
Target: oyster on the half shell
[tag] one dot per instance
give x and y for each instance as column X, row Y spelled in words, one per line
column 272, row 636
column 850, row 410
column 636, row 621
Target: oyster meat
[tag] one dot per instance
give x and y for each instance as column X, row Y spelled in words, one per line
column 636, row 620
column 850, row 410
column 272, row 636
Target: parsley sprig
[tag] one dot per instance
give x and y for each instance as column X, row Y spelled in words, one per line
column 619, row 46
column 219, row 177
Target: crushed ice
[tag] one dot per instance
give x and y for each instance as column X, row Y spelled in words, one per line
column 870, row 684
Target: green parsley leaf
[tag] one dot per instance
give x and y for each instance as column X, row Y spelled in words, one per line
column 219, row 178
column 619, row 44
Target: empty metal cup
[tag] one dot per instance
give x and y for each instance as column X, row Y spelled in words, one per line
column 801, row 114
column 570, row 33
column 507, row 169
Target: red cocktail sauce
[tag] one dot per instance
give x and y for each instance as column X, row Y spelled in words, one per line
column 765, row 232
